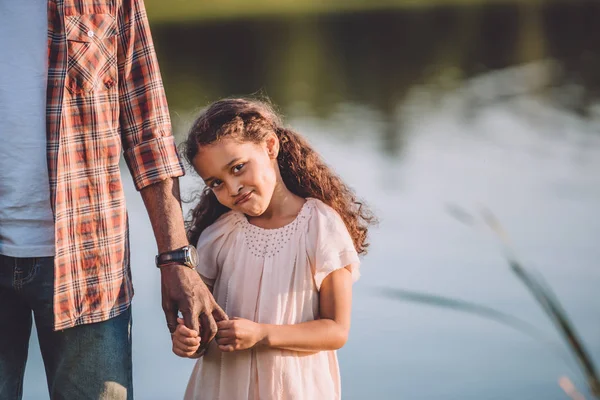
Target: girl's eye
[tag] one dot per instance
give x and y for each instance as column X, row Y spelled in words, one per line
column 238, row 168
column 215, row 184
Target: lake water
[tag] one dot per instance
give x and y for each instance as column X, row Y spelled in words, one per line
column 492, row 107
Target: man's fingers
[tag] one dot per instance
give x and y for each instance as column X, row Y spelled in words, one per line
column 200, row 352
column 219, row 314
column 205, row 332
column 171, row 316
column 209, row 328
column 191, row 320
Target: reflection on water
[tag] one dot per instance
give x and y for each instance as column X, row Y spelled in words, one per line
column 494, row 106
column 378, row 60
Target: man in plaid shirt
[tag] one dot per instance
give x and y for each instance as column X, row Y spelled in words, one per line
column 79, row 85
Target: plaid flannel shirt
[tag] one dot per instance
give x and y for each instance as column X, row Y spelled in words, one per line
column 104, row 96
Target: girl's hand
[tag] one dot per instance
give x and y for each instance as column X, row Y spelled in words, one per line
column 185, row 341
column 239, row 334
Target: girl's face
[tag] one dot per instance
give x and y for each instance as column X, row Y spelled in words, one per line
column 243, row 175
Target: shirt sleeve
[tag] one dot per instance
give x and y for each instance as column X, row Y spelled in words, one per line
column 212, row 243
column 148, row 144
column 330, row 244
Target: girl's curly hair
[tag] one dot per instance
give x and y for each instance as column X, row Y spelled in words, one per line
column 302, row 169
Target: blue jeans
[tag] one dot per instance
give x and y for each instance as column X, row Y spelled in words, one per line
column 90, row 361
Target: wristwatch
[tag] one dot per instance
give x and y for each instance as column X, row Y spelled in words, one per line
column 186, row 255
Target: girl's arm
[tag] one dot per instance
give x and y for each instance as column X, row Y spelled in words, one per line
column 330, row 332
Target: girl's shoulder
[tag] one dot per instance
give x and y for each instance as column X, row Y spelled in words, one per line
column 325, row 223
column 222, row 227
column 318, row 210
column 328, row 243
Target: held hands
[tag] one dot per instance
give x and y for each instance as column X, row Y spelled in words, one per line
column 233, row 335
column 239, row 334
column 184, row 291
column 186, row 341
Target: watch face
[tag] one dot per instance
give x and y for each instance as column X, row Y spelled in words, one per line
column 193, row 254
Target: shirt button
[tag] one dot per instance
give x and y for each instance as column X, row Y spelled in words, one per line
column 90, row 33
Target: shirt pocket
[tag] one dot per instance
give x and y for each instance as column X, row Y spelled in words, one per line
column 91, row 53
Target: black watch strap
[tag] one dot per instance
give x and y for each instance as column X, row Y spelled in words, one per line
column 177, row 256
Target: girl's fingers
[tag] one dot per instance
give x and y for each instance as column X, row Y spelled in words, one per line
column 226, row 340
column 185, row 331
column 183, row 353
column 177, row 352
column 182, row 341
column 191, row 341
column 224, row 325
column 188, row 341
column 185, row 348
column 225, row 334
column 183, row 345
column 226, row 349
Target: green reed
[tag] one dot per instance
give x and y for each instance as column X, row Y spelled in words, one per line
column 536, row 286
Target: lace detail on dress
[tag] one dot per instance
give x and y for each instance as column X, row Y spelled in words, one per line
column 263, row 242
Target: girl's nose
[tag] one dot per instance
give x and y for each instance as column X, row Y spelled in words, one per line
column 235, row 188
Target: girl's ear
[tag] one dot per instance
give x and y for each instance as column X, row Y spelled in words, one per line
column 272, row 142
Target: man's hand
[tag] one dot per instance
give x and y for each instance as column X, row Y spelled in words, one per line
column 239, row 334
column 181, row 287
column 183, row 291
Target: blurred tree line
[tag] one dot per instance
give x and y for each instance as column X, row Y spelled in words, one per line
column 379, row 58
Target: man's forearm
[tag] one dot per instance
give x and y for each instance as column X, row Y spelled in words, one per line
column 182, row 288
column 163, row 204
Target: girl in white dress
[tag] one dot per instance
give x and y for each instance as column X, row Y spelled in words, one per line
column 278, row 236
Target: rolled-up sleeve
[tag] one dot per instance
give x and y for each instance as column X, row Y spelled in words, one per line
column 149, row 146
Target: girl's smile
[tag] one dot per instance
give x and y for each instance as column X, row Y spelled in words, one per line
column 242, row 198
